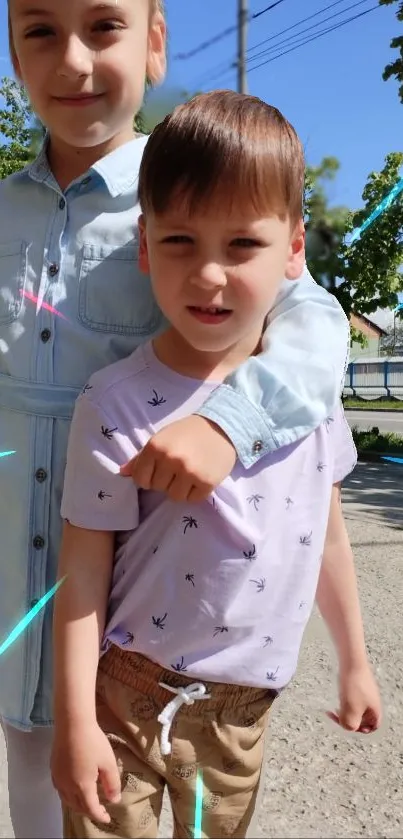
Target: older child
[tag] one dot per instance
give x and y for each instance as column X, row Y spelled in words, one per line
column 73, row 300
column 199, row 610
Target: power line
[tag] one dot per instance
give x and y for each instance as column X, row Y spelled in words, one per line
column 184, row 56
column 314, row 37
column 302, row 31
column 303, row 20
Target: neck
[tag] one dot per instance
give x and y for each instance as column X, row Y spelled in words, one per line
column 68, row 162
column 175, row 352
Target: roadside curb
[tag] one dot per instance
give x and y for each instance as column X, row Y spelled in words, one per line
column 376, row 457
column 374, row 410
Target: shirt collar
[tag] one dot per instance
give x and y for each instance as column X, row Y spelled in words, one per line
column 119, row 169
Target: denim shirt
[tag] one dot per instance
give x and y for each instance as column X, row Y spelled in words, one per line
column 73, row 300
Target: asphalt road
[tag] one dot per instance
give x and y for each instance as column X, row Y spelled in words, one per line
column 391, row 421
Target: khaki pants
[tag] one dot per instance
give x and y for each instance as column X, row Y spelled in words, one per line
column 223, row 736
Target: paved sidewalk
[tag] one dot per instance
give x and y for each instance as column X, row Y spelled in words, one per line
column 320, row 782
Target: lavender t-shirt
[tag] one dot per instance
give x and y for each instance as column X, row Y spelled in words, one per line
column 220, row 590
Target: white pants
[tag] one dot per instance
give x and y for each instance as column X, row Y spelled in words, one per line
column 34, row 804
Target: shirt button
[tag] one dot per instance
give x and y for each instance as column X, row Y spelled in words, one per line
column 45, row 335
column 34, row 603
column 41, row 475
column 257, row 447
column 38, row 543
column 53, row 269
column 62, row 204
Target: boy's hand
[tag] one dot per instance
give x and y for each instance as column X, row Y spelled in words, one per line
column 360, row 702
column 187, row 459
column 79, row 760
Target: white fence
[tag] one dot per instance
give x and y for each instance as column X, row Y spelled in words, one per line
column 375, row 377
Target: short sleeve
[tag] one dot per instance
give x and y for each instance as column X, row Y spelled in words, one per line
column 345, row 452
column 95, row 495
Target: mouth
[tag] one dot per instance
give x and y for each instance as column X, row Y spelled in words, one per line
column 81, row 99
column 210, row 314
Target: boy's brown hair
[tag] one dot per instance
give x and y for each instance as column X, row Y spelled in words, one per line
column 228, row 147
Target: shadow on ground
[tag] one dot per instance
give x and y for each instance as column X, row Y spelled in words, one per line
column 374, row 493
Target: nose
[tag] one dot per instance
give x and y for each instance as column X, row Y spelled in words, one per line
column 75, row 60
column 209, row 276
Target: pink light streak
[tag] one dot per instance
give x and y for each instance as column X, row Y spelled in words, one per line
column 41, row 303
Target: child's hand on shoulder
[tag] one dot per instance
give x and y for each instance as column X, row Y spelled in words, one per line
column 187, row 459
column 360, row 702
column 79, row 758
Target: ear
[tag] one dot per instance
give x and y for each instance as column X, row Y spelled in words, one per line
column 156, row 52
column 296, row 258
column 144, row 264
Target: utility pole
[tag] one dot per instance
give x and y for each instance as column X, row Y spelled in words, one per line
column 242, row 44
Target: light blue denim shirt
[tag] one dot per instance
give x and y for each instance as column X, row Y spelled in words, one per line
column 72, row 300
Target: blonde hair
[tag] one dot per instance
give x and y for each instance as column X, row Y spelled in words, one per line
column 228, row 148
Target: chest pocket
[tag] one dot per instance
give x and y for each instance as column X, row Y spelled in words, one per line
column 13, row 269
column 114, row 296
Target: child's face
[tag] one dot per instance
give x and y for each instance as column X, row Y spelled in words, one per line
column 84, row 64
column 216, row 275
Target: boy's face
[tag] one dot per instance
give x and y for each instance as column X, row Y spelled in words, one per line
column 215, row 275
column 84, row 63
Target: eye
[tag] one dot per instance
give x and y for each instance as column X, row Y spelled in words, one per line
column 245, row 242
column 39, row 32
column 108, row 26
column 177, row 240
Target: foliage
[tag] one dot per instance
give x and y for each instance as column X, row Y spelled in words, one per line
column 383, row 403
column 366, row 275
column 392, row 342
column 15, row 128
column 373, row 441
column 395, row 68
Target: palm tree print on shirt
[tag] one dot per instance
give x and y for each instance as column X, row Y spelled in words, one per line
column 189, row 522
column 102, row 495
column 129, row 639
column 255, row 500
column 267, row 641
column 85, row 389
column 271, row 676
column 306, row 540
column 160, row 622
column 260, row 584
column 251, row 555
column 219, row 630
column 108, row 432
column 157, row 400
column 190, row 578
column 320, row 466
column 288, row 502
column 180, row 666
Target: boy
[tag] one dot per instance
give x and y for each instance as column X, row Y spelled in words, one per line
column 207, row 602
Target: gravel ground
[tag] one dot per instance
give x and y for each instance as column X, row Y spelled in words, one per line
column 319, row 781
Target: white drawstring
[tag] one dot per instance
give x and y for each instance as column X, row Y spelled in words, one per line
column 183, row 696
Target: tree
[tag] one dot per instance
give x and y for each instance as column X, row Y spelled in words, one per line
column 366, row 275
column 395, row 68
column 16, row 128
column 392, row 342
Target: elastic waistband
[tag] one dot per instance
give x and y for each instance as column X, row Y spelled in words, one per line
column 43, row 400
column 134, row 670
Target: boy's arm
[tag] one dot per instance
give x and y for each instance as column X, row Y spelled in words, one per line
column 286, row 392
column 86, row 560
column 338, row 601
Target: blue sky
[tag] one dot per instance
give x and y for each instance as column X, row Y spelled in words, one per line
column 331, row 89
